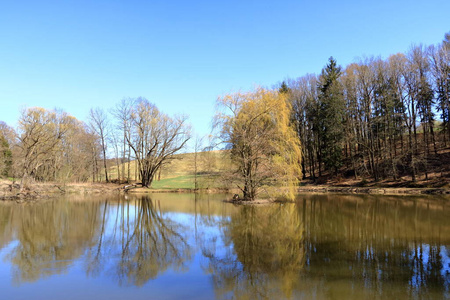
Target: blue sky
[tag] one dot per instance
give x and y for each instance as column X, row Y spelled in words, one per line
column 182, row 55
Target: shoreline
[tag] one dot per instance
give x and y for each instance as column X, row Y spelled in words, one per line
column 10, row 191
column 318, row 189
column 374, row 190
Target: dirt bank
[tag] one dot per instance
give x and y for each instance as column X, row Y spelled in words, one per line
column 374, row 190
column 351, row 186
column 12, row 191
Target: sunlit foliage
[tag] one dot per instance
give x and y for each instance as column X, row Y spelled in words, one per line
column 264, row 147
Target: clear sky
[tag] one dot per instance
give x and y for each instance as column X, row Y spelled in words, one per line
column 181, row 55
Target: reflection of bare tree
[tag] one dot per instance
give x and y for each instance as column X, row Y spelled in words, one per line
column 5, row 225
column 267, row 253
column 51, row 235
column 142, row 243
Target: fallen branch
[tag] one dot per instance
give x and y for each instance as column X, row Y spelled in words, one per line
column 126, row 188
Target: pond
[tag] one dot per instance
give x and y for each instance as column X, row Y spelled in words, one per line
column 186, row 246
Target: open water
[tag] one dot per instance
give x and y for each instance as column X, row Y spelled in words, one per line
column 186, row 246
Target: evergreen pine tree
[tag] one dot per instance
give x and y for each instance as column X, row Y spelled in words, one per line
column 284, row 89
column 331, row 116
column 5, row 157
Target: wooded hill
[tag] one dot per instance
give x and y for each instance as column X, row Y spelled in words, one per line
column 180, row 173
column 376, row 119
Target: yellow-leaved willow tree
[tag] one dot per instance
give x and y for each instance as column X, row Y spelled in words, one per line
column 265, row 149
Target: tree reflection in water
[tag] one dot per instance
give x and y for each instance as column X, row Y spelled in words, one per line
column 6, row 231
column 140, row 244
column 134, row 240
column 50, row 235
column 365, row 247
column 322, row 247
column 337, row 247
column 264, row 253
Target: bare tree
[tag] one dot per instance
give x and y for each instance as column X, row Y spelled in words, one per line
column 98, row 121
column 197, row 148
column 75, row 162
column 41, row 132
column 122, row 112
column 440, row 69
column 154, row 138
column 113, row 140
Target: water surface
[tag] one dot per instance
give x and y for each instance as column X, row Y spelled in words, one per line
column 185, row 246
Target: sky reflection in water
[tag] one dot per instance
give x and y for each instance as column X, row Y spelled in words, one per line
column 173, row 246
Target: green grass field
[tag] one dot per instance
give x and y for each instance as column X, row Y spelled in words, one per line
column 186, row 182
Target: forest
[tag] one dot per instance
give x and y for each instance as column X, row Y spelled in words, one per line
column 374, row 119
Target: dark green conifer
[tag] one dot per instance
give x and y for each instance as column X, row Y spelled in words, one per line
column 331, row 116
column 5, row 157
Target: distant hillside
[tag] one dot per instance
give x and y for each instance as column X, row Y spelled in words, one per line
column 179, row 172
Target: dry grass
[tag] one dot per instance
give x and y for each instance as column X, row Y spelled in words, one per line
column 181, row 169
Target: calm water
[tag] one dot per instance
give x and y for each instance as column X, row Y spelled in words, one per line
column 179, row 246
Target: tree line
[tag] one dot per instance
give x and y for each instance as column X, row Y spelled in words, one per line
column 374, row 119
column 377, row 118
column 51, row 145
